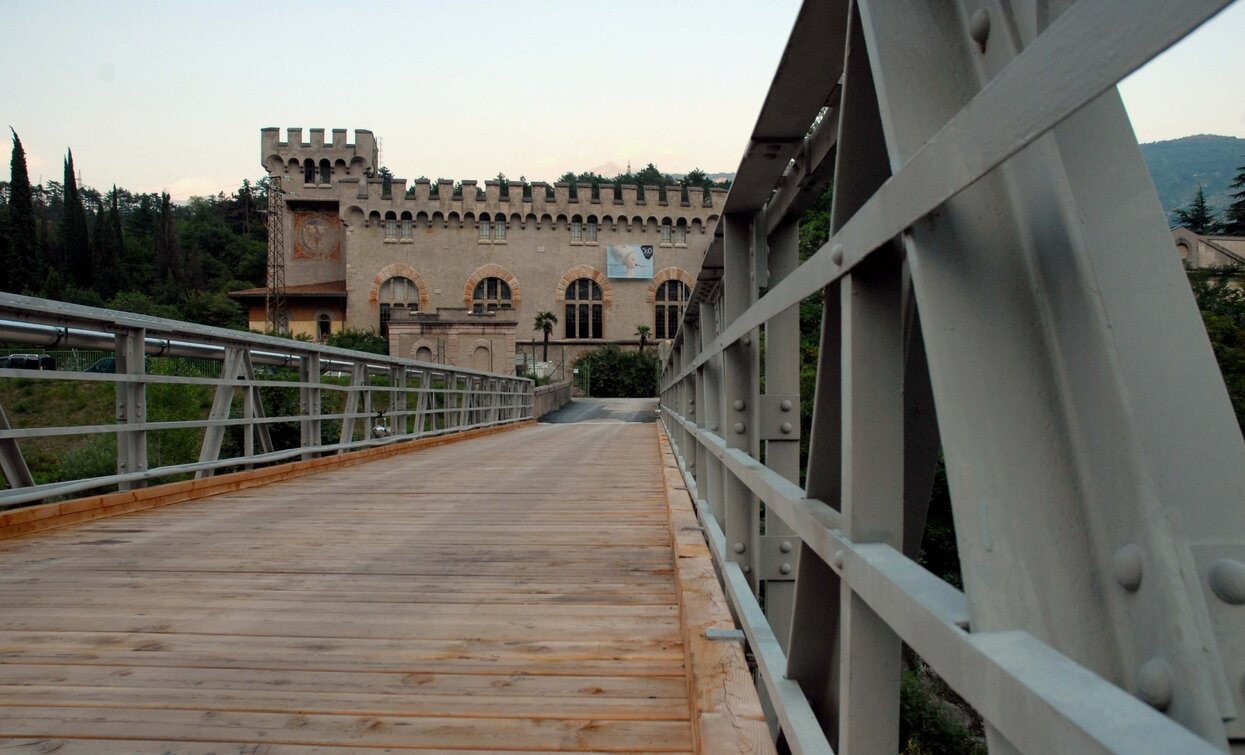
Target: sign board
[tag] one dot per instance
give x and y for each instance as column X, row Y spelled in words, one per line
column 629, row 261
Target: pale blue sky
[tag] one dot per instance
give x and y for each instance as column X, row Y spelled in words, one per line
column 171, row 96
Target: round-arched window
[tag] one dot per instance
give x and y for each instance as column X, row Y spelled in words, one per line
column 584, row 317
column 396, row 293
column 490, row 295
column 671, row 298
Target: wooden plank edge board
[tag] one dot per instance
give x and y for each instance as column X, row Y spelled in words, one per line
column 46, row 516
column 726, row 712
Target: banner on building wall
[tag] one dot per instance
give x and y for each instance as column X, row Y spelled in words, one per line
column 629, row 261
column 317, row 236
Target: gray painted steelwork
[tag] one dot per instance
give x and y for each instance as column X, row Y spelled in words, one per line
column 447, row 399
column 999, row 284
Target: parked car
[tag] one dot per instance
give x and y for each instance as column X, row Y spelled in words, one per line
column 28, row 362
column 106, row 365
column 109, row 365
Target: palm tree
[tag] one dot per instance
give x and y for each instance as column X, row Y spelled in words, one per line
column 643, row 332
column 544, row 323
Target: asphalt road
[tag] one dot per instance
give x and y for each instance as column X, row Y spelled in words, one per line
column 605, row 410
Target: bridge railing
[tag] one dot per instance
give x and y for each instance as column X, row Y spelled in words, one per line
column 999, row 288
column 243, row 395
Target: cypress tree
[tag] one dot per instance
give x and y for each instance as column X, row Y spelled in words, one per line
column 75, row 238
column 6, row 260
column 1234, row 216
column 23, row 263
column 105, row 249
column 168, row 257
column 116, row 239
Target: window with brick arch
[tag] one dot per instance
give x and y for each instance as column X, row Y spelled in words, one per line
column 491, row 294
column 584, row 316
column 671, row 299
column 396, row 293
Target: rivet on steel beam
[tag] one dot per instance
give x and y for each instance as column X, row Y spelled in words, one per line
column 838, row 559
column 1126, row 567
column 1154, row 683
column 785, row 428
column 785, row 405
column 979, row 27
column 785, row 546
column 836, row 254
column 714, row 428
column 785, row 569
column 739, row 427
column 1227, row 579
column 746, row 340
column 739, row 405
column 739, row 547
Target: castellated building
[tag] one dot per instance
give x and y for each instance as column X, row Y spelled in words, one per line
column 459, row 277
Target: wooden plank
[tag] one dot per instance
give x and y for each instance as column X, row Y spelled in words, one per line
column 558, row 704
column 726, row 713
column 62, row 746
column 374, row 683
column 346, row 730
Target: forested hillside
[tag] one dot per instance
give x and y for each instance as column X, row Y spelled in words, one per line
column 1179, row 166
column 135, row 252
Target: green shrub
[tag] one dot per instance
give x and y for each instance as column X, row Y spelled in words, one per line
column 96, row 457
column 614, row 373
column 929, row 723
column 359, row 340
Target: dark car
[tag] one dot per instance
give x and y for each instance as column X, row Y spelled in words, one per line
column 107, row 365
column 28, row 362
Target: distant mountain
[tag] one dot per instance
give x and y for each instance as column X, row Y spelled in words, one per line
column 1177, row 167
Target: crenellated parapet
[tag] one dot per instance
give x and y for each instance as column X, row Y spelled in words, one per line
column 317, row 158
column 345, row 173
column 366, row 200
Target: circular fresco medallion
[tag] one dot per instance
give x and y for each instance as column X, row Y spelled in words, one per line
column 317, row 237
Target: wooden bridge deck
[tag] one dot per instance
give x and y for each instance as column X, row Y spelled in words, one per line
column 510, row 592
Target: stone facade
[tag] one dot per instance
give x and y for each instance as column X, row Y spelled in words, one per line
column 345, row 226
column 1208, row 252
column 455, row 336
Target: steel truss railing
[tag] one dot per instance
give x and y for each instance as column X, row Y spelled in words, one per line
column 999, row 283
column 410, row 399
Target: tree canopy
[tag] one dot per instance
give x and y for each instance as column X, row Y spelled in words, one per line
column 1197, row 217
column 1234, row 216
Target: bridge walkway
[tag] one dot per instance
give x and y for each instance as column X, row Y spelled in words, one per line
column 510, row 592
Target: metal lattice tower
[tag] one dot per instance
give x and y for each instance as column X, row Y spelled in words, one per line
column 277, row 321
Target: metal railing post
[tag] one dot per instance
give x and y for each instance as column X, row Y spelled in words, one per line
column 740, row 377
column 780, row 431
column 709, row 483
column 131, row 361
column 309, row 404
